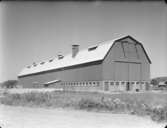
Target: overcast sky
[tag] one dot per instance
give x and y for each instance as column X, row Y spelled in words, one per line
column 36, row 31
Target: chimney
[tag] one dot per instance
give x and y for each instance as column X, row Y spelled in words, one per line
column 75, row 50
column 60, row 56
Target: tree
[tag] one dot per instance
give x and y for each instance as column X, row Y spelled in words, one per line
column 154, row 82
column 10, row 84
column 166, row 82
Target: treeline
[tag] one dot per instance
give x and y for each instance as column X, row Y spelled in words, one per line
column 157, row 80
column 9, row 84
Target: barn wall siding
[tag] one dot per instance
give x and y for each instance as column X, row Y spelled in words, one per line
column 120, row 66
column 145, row 64
column 88, row 73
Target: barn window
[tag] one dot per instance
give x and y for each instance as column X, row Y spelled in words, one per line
column 94, row 83
column 42, row 63
column 86, row 83
column 132, row 82
column 117, row 83
column 106, row 83
column 122, row 82
column 34, row 65
column 111, row 83
column 137, row 82
column 90, row 83
column 28, row 66
column 50, row 60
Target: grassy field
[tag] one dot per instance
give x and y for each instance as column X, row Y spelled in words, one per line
column 153, row 104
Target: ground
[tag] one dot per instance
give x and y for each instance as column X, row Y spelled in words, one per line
column 25, row 117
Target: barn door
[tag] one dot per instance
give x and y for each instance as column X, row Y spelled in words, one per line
column 121, row 71
column 106, row 86
column 134, row 72
column 127, row 71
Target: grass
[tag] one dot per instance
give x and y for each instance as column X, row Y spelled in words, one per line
column 142, row 104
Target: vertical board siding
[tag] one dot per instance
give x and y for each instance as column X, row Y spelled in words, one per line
column 121, row 71
column 133, row 66
column 88, row 73
column 134, row 72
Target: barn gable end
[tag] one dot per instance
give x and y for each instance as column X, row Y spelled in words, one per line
column 126, row 61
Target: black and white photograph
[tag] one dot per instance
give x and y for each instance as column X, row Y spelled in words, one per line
column 83, row 64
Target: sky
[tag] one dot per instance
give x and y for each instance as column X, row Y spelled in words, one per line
column 37, row 31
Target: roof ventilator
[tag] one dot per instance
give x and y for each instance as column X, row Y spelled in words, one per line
column 75, row 50
column 92, row 48
column 60, row 56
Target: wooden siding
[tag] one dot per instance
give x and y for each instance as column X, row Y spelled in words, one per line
column 134, row 72
column 121, row 71
column 88, row 73
column 126, row 61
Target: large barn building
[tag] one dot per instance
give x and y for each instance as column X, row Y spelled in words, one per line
column 117, row 65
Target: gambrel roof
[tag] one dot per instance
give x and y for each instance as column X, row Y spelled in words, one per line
column 92, row 54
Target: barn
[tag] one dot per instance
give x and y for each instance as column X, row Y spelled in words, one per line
column 117, row 65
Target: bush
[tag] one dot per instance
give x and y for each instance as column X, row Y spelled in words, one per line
column 159, row 114
column 9, row 84
column 89, row 104
column 154, row 82
column 135, row 104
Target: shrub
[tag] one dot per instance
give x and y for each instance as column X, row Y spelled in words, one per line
column 9, row 84
column 88, row 104
column 159, row 114
column 124, row 103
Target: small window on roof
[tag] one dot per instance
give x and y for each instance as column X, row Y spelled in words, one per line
column 28, row 66
column 34, row 65
column 42, row 63
column 92, row 48
column 50, row 60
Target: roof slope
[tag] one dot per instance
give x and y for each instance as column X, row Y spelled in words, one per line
column 82, row 57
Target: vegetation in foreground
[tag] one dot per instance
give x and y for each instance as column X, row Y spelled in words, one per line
column 142, row 104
